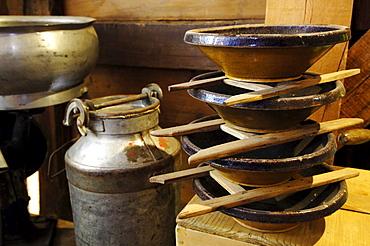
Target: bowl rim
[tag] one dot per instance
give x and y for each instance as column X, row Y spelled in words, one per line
column 299, row 216
column 275, row 103
column 20, row 23
column 209, row 37
column 268, row 165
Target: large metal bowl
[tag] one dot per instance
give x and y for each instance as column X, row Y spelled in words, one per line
column 261, row 52
column 45, row 53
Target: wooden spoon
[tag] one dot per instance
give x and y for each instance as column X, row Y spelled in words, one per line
column 289, row 87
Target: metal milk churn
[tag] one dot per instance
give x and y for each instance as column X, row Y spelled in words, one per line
column 109, row 167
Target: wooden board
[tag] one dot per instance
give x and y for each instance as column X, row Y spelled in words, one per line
column 342, row 228
column 154, row 44
column 316, row 12
column 356, row 103
column 167, row 10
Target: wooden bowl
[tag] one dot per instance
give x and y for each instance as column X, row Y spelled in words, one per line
column 269, row 115
column 267, row 166
column 261, row 52
column 281, row 213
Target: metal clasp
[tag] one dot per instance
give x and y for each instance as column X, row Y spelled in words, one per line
column 77, row 106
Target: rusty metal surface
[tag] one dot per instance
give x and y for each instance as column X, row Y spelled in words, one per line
column 45, row 53
column 108, row 171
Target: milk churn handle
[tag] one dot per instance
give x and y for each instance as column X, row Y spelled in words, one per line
column 153, row 90
column 77, row 106
column 52, row 176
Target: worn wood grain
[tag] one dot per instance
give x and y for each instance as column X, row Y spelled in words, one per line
column 357, row 100
column 167, row 10
column 15, row 7
column 316, row 12
column 153, row 44
column 38, row 7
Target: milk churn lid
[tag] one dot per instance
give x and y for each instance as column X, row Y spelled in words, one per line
column 113, row 107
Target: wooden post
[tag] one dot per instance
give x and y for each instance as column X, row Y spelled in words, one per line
column 337, row 12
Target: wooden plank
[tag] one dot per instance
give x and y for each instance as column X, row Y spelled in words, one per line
column 357, row 100
column 54, row 194
column 15, row 7
column 189, row 237
column 316, row 12
column 37, row 7
column 153, row 44
column 361, row 17
column 219, row 227
column 343, row 224
column 167, row 10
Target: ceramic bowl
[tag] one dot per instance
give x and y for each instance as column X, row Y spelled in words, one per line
column 266, row 166
column 261, row 52
column 281, row 213
column 269, row 115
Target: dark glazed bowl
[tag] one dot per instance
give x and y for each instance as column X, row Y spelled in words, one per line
column 266, row 166
column 281, row 213
column 261, row 52
column 269, row 115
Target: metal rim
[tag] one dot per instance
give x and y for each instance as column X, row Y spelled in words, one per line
column 21, row 24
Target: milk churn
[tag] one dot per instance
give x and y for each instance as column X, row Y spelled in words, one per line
column 109, row 167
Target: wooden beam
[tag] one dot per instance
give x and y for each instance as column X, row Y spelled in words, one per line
column 167, row 10
column 37, row 7
column 154, row 44
column 357, row 101
column 316, row 12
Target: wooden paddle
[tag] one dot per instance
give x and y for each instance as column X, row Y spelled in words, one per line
column 247, row 85
column 289, row 87
column 258, row 194
column 271, row 139
column 196, row 83
column 181, row 175
column 203, row 126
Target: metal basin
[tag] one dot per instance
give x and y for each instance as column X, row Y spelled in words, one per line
column 280, row 213
column 261, row 52
column 267, row 166
column 269, row 115
column 45, row 53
